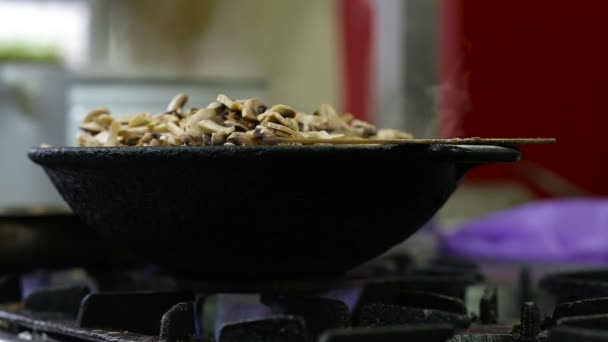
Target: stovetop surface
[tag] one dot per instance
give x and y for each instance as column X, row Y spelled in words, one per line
column 393, row 299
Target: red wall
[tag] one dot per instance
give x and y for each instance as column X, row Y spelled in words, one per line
column 529, row 68
column 356, row 33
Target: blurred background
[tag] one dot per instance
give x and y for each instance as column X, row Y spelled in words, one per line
column 436, row 68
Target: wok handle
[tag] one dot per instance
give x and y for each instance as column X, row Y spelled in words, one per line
column 475, row 155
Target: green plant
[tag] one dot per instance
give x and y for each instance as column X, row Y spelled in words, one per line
column 19, row 52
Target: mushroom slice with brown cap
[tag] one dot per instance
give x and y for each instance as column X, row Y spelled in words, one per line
column 177, row 103
column 234, row 116
column 308, row 122
column 131, row 135
column 284, row 110
column 333, row 121
column 95, row 113
column 92, row 127
column 252, row 108
column 241, row 138
column 162, row 118
column 263, row 132
column 170, row 139
column 282, row 134
column 211, row 126
column 147, row 138
column 237, row 125
column 218, row 138
column 155, row 142
column 230, row 103
column 362, row 128
column 216, row 105
column 206, row 139
column 281, row 128
column 270, row 116
column 293, row 124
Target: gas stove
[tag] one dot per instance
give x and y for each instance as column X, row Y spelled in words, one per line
column 392, row 299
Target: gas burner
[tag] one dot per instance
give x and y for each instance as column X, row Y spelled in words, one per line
column 591, row 328
column 577, row 285
column 401, row 301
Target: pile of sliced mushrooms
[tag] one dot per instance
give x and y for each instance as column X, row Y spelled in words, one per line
column 225, row 122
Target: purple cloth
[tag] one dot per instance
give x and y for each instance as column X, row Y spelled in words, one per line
column 574, row 230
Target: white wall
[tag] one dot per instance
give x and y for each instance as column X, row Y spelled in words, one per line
column 291, row 44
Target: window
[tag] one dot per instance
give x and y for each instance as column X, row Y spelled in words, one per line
column 41, row 25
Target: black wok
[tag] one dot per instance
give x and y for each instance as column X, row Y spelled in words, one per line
column 270, row 211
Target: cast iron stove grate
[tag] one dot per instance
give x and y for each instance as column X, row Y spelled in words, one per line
column 421, row 304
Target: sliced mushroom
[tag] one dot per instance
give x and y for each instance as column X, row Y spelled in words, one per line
column 237, row 125
column 270, row 116
column 320, row 135
column 160, row 128
column 252, row 108
column 333, row 121
column 177, row 103
column 141, row 130
column 282, row 134
column 218, row 138
column 225, row 121
column 192, row 111
column 362, row 128
column 216, row 105
column 95, row 113
column 103, row 137
column 170, row 139
column 285, row 111
column 385, row 133
column 206, row 139
column 220, row 108
column 280, row 128
column 308, row 122
column 192, row 127
column 156, row 119
column 131, row 135
column 230, row 103
column 147, row 138
column 211, row 126
column 234, row 116
column 155, row 142
column 85, row 139
column 112, row 139
column 263, row 132
column 240, row 139
column 139, row 119
column 91, row 126
column 175, row 129
column 192, row 140
column 293, row 124
column 104, row 120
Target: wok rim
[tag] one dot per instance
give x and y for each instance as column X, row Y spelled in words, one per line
column 466, row 154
